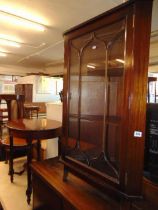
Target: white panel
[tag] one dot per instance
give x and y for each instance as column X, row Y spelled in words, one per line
column 53, row 112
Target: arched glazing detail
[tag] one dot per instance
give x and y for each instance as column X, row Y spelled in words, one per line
column 92, row 94
column 95, row 98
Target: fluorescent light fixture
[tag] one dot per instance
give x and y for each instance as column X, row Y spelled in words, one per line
column 3, row 54
column 21, row 11
column 10, row 37
column 90, row 66
column 3, row 50
column 13, row 19
column 6, row 42
column 120, row 60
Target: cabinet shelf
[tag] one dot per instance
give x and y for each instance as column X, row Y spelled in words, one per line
column 115, row 120
column 115, row 72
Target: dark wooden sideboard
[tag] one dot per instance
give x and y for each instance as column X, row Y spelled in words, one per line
column 51, row 192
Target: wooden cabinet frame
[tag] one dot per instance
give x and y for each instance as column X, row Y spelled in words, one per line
column 137, row 17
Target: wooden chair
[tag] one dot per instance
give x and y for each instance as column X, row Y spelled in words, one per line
column 15, row 106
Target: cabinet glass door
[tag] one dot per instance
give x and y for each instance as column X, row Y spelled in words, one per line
column 96, row 99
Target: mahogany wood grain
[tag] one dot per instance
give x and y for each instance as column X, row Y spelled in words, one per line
column 69, row 195
column 137, row 80
column 51, row 192
column 150, row 193
column 129, row 149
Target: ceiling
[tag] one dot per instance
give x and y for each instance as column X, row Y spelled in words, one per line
column 42, row 49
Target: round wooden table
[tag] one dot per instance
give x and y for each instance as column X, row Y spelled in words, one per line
column 31, row 129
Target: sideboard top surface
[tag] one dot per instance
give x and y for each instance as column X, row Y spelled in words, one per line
column 75, row 191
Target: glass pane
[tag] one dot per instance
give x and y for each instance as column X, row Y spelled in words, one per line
column 73, row 131
column 74, row 82
column 92, row 96
column 115, row 77
column 75, row 47
column 96, row 98
column 73, row 97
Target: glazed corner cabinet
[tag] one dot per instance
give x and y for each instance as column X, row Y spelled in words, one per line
column 104, row 103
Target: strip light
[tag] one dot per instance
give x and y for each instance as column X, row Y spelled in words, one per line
column 3, row 54
column 20, row 21
column 6, row 42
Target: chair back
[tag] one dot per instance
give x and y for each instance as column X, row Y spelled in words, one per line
column 15, row 105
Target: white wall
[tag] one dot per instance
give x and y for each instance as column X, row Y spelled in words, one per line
column 38, row 97
column 53, row 112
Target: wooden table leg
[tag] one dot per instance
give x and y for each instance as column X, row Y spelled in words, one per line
column 29, row 176
column 38, row 149
column 59, row 146
column 1, row 132
column 11, row 170
column 31, row 114
column 37, row 112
